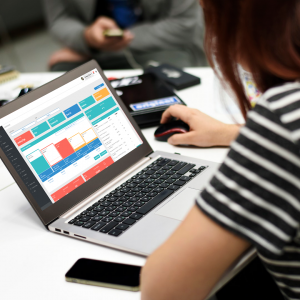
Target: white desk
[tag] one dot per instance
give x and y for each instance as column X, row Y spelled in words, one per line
column 33, row 261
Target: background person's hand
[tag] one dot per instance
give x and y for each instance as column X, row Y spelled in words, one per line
column 94, row 35
column 205, row 131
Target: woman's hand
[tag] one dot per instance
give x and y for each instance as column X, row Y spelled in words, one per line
column 205, row 131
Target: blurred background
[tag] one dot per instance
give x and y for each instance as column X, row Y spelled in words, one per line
column 24, row 39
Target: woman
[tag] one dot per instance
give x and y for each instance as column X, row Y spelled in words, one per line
column 254, row 198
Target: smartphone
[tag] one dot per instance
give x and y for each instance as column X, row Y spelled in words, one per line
column 113, row 32
column 105, row 274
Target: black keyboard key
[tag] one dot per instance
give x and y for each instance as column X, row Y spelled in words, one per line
column 173, row 162
column 197, row 172
column 150, row 172
column 134, row 199
column 119, row 219
column 144, row 176
column 158, row 189
column 165, row 177
column 131, row 185
column 139, row 195
column 137, row 189
column 152, row 194
column 109, row 208
column 130, row 194
column 146, row 190
column 171, row 172
column 125, row 189
column 127, row 204
column 161, row 172
column 155, row 168
column 176, row 176
column 84, row 212
column 129, row 221
column 193, row 170
column 105, row 203
column 107, row 219
column 115, row 232
column 164, row 162
column 136, row 216
column 114, row 214
column 97, row 218
column 192, row 175
column 124, row 198
column 117, row 203
column 146, row 199
column 149, row 180
column 185, row 169
column 139, row 203
column 112, row 199
column 202, row 168
column 164, row 185
column 122, row 227
column 89, row 224
column 167, row 167
column 179, row 166
column 132, row 208
column 109, row 227
column 78, row 223
column 144, row 184
column 159, row 181
column 72, row 221
column 90, row 208
column 98, row 209
column 180, row 182
column 185, row 178
column 138, row 180
column 155, row 176
column 120, row 194
column 154, row 202
column 98, row 226
column 91, row 213
column 84, row 219
column 126, row 213
column 104, row 213
column 173, row 187
column 121, row 209
column 78, row 217
column 170, row 180
column 153, row 185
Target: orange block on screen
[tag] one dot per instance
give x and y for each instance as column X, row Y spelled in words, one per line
column 101, row 94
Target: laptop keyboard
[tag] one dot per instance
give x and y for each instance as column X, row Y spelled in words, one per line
column 132, row 200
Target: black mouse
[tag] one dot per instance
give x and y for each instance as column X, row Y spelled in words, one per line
column 164, row 131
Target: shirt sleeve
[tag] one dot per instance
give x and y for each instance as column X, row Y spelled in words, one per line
column 255, row 193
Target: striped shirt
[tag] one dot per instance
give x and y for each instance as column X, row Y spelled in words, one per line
column 256, row 191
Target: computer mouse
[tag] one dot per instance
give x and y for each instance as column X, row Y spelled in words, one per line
column 164, row 131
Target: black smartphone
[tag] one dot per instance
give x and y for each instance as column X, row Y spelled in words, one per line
column 105, row 274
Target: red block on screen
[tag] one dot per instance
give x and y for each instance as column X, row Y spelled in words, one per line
column 64, row 148
column 68, row 188
column 98, row 168
column 24, row 138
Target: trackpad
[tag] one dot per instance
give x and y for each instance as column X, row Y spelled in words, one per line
column 179, row 206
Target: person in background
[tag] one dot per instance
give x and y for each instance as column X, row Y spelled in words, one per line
column 169, row 31
column 254, row 197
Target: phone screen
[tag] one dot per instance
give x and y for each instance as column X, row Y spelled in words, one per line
column 105, row 272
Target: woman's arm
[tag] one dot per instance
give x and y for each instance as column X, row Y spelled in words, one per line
column 191, row 261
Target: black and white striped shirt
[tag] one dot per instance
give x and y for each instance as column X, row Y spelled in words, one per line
column 256, row 191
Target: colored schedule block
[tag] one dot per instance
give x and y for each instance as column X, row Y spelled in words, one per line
column 101, row 94
column 71, row 111
column 68, row 188
column 24, row 138
column 51, row 154
column 98, row 168
column 56, row 119
column 77, row 141
column 64, row 148
column 87, row 102
column 38, row 162
column 89, row 135
column 40, row 129
column 98, row 86
column 100, row 108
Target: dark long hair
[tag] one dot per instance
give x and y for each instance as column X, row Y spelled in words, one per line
column 263, row 35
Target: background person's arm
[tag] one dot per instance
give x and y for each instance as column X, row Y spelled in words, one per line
column 205, row 131
column 173, row 32
column 65, row 26
column 191, row 261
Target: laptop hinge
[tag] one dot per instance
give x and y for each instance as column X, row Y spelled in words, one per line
column 105, row 188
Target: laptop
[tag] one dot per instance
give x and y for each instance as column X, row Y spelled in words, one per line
column 87, row 170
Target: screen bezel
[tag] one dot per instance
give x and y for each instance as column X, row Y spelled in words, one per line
column 60, row 207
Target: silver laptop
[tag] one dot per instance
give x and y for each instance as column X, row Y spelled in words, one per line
column 87, row 170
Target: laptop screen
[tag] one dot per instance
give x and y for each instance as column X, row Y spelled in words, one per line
column 60, row 141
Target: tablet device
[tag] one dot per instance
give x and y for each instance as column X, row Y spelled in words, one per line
column 146, row 98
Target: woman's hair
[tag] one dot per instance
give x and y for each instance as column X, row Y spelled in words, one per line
column 263, row 35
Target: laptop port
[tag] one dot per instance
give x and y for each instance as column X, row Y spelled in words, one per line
column 58, row 230
column 80, row 236
column 66, row 232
